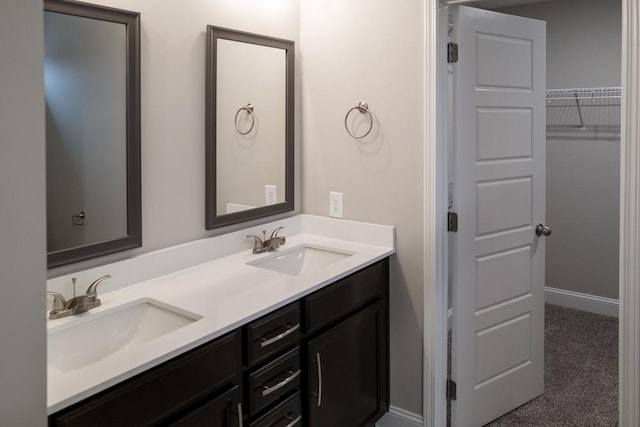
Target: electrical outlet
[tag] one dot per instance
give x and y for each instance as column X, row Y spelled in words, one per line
column 270, row 194
column 336, row 204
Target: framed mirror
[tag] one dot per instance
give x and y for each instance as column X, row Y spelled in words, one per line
column 92, row 100
column 249, row 126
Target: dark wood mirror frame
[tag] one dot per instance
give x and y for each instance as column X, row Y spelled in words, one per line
column 134, row 206
column 212, row 219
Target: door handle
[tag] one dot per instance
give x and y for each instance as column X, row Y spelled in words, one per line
column 543, row 230
column 318, row 395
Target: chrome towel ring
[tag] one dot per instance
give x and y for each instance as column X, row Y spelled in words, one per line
column 363, row 108
column 79, row 218
column 249, row 109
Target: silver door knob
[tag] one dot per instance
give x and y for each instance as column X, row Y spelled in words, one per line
column 542, row 230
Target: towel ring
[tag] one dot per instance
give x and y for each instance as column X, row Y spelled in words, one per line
column 363, row 108
column 78, row 219
column 249, row 109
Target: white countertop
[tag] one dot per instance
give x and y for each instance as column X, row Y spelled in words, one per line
column 225, row 291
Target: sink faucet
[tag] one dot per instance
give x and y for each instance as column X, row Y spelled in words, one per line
column 77, row 304
column 266, row 245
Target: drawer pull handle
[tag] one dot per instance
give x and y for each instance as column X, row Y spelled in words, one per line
column 293, row 421
column 266, row 342
column 240, row 414
column 268, row 390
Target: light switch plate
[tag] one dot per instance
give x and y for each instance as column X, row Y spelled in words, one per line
column 270, row 194
column 336, row 204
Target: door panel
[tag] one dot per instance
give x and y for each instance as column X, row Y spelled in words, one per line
column 504, row 133
column 512, row 338
column 498, row 261
column 223, row 411
column 343, row 384
column 515, row 68
column 503, row 205
column 503, row 276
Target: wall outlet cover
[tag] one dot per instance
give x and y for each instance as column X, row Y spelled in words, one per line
column 336, row 204
column 270, row 194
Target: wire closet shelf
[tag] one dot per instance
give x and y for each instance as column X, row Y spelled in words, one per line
column 592, row 110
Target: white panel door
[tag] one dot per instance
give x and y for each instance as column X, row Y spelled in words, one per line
column 499, row 184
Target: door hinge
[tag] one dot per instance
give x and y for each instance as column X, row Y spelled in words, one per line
column 452, row 222
column 452, row 53
column 451, row 390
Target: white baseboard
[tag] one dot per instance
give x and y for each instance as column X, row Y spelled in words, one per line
column 580, row 301
column 397, row 417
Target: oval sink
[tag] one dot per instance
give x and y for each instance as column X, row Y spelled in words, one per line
column 125, row 327
column 300, row 259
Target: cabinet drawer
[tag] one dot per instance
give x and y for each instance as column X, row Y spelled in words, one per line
column 286, row 414
column 345, row 296
column 151, row 397
column 274, row 380
column 273, row 333
column 222, row 411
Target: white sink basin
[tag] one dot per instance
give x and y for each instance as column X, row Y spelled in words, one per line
column 300, row 259
column 73, row 346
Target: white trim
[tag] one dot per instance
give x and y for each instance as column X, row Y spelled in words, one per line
column 580, row 301
column 434, row 217
column 398, row 417
column 629, row 342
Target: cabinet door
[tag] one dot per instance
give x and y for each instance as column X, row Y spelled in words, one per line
column 222, row 411
column 158, row 394
column 346, row 366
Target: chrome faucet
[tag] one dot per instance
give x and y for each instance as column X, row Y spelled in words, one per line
column 77, row 304
column 263, row 244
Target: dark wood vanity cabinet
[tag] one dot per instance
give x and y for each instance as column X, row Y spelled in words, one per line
column 274, row 367
column 204, row 379
column 322, row 361
column 345, row 365
column 223, row 410
column 347, row 350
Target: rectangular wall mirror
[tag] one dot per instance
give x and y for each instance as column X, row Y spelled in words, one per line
column 249, row 126
column 92, row 103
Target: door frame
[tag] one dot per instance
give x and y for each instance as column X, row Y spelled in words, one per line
column 434, row 219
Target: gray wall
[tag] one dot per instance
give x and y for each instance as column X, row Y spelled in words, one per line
column 371, row 50
column 22, row 209
column 583, row 50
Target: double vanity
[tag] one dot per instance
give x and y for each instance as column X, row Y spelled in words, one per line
column 292, row 336
column 272, row 325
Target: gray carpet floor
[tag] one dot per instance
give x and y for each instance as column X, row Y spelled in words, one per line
column 581, row 373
